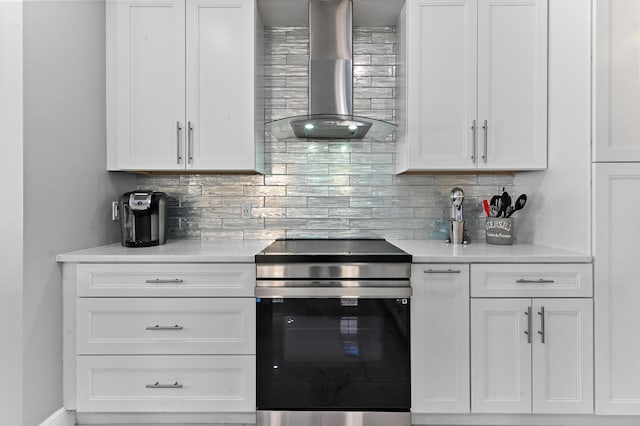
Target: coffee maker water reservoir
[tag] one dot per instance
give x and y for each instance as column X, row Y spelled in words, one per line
column 143, row 221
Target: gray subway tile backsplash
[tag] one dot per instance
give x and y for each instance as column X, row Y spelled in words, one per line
column 325, row 189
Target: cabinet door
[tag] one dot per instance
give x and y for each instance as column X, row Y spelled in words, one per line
column 442, row 84
column 617, row 80
column 500, row 356
column 146, row 41
column 220, row 84
column 440, row 339
column 512, row 84
column 562, row 356
column 617, row 291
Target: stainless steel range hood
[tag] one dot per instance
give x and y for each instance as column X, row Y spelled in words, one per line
column 330, row 81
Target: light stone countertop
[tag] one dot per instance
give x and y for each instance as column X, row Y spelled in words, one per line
column 437, row 251
column 238, row 251
column 231, row 251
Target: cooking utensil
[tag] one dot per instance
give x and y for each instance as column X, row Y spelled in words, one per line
column 509, row 211
column 521, row 201
column 487, row 209
column 506, row 202
column 495, row 205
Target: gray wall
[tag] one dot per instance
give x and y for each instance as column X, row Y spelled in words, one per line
column 325, row 189
column 559, row 207
column 67, row 191
column 11, row 212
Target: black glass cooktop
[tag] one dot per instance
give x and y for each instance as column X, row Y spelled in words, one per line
column 332, row 250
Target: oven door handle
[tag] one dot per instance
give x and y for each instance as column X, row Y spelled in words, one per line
column 334, row 292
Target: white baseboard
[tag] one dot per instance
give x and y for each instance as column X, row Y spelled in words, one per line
column 61, row 417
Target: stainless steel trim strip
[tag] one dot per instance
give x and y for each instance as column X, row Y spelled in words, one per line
column 334, row 292
column 332, row 418
column 332, row 283
column 334, row 270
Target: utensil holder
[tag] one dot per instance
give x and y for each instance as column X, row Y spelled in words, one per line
column 499, row 230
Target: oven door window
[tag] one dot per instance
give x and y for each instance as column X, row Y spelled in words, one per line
column 333, row 354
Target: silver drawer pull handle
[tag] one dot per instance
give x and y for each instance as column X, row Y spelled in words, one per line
column 158, row 385
column 540, row 281
column 159, row 281
column 164, row 327
column 541, row 332
column 529, row 322
column 485, row 127
column 442, row 271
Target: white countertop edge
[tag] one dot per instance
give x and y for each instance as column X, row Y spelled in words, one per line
column 243, row 251
column 511, row 259
column 179, row 251
column 436, row 251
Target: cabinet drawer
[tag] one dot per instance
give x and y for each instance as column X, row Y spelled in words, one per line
column 532, row 280
column 166, row 280
column 166, row 383
column 166, row 326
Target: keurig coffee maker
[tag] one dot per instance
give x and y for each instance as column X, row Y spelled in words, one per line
column 143, row 218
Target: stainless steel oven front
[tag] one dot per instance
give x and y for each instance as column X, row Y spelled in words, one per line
column 333, row 349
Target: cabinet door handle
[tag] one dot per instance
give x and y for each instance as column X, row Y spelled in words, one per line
column 158, row 385
column 474, row 155
column 528, row 331
column 442, row 271
column 164, row 327
column 179, row 139
column 540, row 281
column 485, row 128
column 190, row 140
column 159, row 281
column 541, row 332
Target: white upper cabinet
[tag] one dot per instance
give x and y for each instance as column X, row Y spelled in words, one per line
column 183, row 86
column 512, row 84
column 472, row 85
column 145, row 84
column 440, row 99
column 617, row 80
column 222, row 42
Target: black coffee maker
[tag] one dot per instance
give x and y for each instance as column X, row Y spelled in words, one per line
column 143, row 218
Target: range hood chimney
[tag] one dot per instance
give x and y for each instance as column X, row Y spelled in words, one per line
column 330, row 81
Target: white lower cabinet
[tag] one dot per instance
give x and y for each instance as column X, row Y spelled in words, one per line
column 440, row 339
column 159, row 338
column 166, row 383
column 532, row 356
